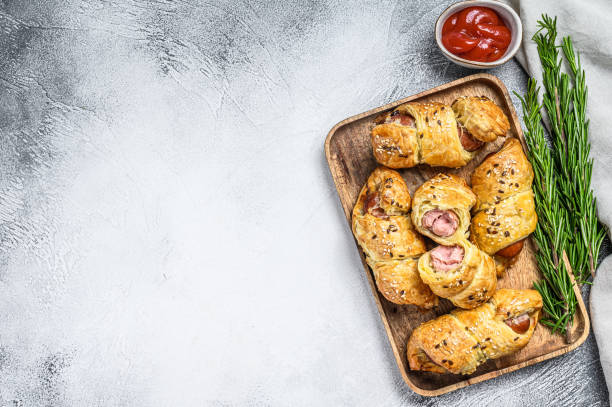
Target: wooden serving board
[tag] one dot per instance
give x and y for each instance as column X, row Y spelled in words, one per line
column 350, row 159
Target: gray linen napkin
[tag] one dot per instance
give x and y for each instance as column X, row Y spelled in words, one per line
column 589, row 24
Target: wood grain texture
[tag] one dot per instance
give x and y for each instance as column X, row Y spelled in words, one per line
column 350, row 159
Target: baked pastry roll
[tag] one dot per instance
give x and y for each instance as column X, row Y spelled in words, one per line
column 435, row 133
column 483, row 120
column 441, row 209
column 464, row 339
column 382, row 227
column 504, row 214
column 394, row 141
column 419, row 133
column 461, row 273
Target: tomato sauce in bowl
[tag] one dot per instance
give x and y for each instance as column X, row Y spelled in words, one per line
column 476, row 34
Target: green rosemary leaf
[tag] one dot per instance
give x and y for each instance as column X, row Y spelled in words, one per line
column 550, row 235
column 565, row 203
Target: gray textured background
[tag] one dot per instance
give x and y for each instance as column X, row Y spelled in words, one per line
column 169, row 231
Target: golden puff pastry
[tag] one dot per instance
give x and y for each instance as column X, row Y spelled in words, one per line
column 435, row 133
column 441, row 209
column 419, row 133
column 464, row 339
column 462, row 273
column 504, row 214
column 395, row 145
column 400, row 283
column 382, row 227
column 483, row 119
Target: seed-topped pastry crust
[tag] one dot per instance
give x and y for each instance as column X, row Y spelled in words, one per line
column 466, row 278
column 443, row 194
column 382, row 227
column 464, row 339
column 435, row 133
column 483, row 119
column 504, row 214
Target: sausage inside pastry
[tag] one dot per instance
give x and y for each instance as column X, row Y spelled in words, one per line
column 432, row 133
column 441, row 209
column 461, row 273
column 504, row 214
column 464, row 339
column 383, row 229
column 480, row 118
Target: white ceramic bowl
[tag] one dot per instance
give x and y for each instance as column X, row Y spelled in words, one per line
column 511, row 19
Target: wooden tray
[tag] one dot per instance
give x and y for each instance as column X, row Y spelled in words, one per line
column 350, row 159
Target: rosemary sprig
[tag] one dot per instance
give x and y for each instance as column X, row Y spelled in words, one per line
column 565, row 204
column 551, row 231
column 565, row 103
column 592, row 233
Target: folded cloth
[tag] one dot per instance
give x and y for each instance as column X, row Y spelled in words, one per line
column 588, row 23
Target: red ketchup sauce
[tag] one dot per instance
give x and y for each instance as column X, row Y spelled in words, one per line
column 477, row 34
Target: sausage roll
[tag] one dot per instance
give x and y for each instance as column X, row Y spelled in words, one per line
column 462, row 340
column 384, row 231
column 435, row 133
column 480, row 120
column 419, row 133
column 461, row 273
column 441, row 209
column 504, row 214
